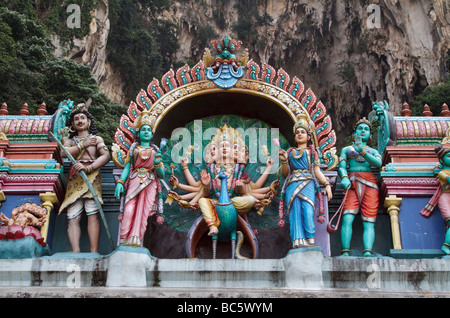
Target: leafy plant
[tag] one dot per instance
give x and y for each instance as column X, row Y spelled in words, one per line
column 33, row 75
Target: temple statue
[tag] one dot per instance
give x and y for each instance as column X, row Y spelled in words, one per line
column 91, row 154
column 140, row 178
column 300, row 166
column 227, row 150
column 360, row 185
column 442, row 194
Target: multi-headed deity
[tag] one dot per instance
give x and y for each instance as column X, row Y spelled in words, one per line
column 361, row 185
column 226, row 151
column 300, row 166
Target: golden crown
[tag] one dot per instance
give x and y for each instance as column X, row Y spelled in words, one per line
column 363, row 121
column 304, row 122
column 229, row 134
column 82, row 106
column 145, row 118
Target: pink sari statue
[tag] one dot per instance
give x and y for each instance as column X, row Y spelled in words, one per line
column 442, row 195
column 140, row 178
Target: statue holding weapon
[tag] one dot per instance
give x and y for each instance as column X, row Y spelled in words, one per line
column 88, row 153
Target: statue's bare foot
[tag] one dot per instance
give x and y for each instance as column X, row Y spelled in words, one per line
column 213, row 230
column 445, row 248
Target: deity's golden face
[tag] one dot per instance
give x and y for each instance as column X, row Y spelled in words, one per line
column 236, row 151
column 242, row 155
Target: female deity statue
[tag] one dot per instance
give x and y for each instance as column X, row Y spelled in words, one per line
column 143, row 167
column 442, row 195
column 226, row 149
column 301, row 169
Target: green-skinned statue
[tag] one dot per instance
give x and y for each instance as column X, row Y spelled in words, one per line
column 361, row 185
column 140, row 184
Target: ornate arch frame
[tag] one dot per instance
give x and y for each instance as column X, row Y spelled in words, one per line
column 161, row 98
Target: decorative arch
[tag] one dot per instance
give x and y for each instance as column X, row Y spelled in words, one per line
column 290, row 97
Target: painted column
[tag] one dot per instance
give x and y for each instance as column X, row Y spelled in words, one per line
column 392, row 203
column 48, row 198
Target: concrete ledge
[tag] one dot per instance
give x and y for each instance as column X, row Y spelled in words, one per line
column 128, row 267
column 61, row 269
column 305, row 269
column 208, row 293
column 387, row 273
column 259, row 273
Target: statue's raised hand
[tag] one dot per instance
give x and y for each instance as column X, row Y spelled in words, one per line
column 205, row 178
column 174, row 181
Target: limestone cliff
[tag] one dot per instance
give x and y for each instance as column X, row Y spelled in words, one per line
column 343, row 49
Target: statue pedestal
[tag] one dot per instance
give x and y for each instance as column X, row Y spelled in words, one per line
column 128, row 267
column 26, row 247
column 303, row 268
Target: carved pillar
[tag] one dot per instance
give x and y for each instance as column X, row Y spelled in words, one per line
column 392, row 203
column 2, row 197
column 48, row 198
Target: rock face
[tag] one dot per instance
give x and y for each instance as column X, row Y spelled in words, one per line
column 350, row 52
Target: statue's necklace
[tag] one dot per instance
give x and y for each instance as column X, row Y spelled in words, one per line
column 140, row 153
column 300, row 153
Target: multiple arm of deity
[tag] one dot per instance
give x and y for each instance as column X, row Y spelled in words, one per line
column 197, row 189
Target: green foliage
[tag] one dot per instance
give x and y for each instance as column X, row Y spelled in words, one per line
column 140, row 48
column 245, row 27
column 53, row 15
column 106, row 115
column 33, row 75
column 433, row 96
column 204, row 35
column 167, row 41
column 346, row 70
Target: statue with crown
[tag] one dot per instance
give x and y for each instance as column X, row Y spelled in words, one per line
column 300, row 166
column 441, row 197
column 226, row 158
column 219, row 171
column 140, row 179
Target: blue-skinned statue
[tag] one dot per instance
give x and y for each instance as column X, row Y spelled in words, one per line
column 355, row 164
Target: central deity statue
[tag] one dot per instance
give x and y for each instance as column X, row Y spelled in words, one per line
column 227, row 152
